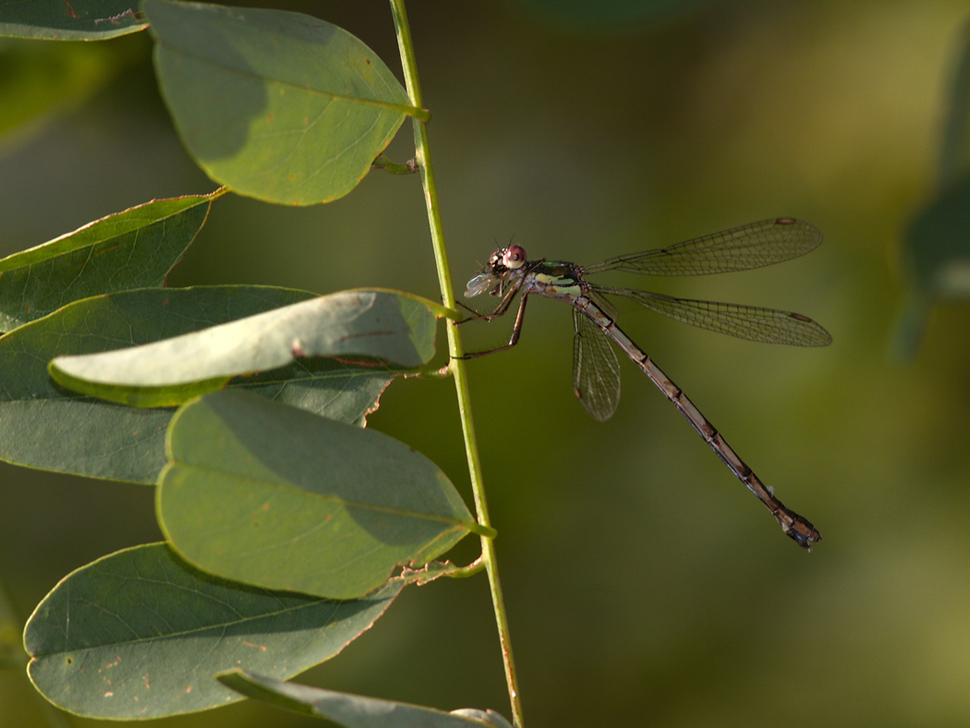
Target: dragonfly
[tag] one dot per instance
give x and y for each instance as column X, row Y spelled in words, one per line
column 596, row 370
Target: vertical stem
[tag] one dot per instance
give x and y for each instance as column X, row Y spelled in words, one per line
column 423, row 158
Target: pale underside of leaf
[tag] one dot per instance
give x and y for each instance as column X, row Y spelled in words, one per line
column 354, row 711
column 376, row 324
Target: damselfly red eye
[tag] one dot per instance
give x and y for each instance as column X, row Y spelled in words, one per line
column 514, row 257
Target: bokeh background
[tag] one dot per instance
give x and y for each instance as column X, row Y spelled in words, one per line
column 645, row 586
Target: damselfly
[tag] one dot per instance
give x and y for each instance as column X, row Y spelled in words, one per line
column 596, row 371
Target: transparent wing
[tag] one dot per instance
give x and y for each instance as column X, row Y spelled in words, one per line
column 767, row 325
column 596, row 371
column 481, row 283
column 742, row 248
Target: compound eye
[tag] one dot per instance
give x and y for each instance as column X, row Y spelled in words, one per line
column 514, row 257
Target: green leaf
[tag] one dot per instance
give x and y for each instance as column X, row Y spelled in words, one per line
column 139, row 634
column 68, row 19
column 131, row 249
column 43, row 426
column 337, row 389
column 353, row 711
column 955, row 146
column 371, row 323
column 936, row 255
column 274, row 496
column 937, row 246
column 278, row 105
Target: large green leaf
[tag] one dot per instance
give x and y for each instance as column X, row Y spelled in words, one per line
column 139, row 634
column 68, row 19
column 278, row 105
column 271, row 495
column 354, row 711
column 131, row 249
column 44, row 426
column 380, row 324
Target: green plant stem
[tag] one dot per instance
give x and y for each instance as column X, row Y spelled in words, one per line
column 426, row 170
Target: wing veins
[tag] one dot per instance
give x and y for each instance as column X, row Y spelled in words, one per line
column 750, row 246
column 753, row 323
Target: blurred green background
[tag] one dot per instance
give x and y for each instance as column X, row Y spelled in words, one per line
column 645, row 586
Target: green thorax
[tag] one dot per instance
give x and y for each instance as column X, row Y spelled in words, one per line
column 556, row 278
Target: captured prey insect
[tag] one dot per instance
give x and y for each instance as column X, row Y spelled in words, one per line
column 596, row 371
